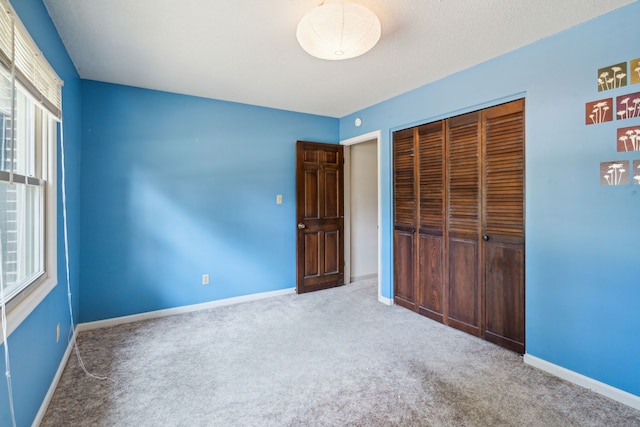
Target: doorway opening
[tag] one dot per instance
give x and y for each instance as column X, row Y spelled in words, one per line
column 362, row 210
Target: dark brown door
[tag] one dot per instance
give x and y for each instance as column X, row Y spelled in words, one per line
column 463, row 209
column 503, row 225
column 459, row 222
column 431, row 244
column 319, row 216
column 404, row 218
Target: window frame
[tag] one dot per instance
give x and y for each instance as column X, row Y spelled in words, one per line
column 24, row 301
column 29, row 70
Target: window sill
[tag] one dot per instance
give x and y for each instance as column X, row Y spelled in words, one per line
column 16, row 315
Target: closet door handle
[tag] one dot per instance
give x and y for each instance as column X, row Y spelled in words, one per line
column 301, row 226
column 485, row 237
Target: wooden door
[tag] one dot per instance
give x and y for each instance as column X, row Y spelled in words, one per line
column 463, row 218
column 404, row 218
column 503, row 225
column 431, row 244
column 459, row 222
column 319, row 216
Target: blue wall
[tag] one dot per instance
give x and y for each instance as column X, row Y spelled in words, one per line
column 582, row 262
column 33, row 351
column 178, row 186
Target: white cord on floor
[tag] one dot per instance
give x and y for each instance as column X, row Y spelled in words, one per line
column 66, row 257
column 3, row 303
column 4, row 337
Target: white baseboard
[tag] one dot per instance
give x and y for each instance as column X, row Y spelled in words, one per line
column 364, row 277
column 180, row 310
column 385, row 300
column 601, row 388
column 56, row 379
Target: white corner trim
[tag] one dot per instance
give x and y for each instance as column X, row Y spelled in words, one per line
column 55, row 381
column 180, row 310
column 589, row 383
column 376, row 134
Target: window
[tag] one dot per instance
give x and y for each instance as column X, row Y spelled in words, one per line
column 23, row 178
column 30, row 106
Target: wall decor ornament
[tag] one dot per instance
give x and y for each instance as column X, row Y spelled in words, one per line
column 612, row 77
column 599, row 111
column 634, row 70
column 628, row 106
column 629, row 139
column 636, row 172
column 614, row 173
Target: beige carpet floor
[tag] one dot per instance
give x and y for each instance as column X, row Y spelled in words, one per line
column 329, row 358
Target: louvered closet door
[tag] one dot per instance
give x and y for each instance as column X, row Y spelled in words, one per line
column 431, row 219
column 459, row 222
column 463, row 217
column 404, row 216
column 503, row 225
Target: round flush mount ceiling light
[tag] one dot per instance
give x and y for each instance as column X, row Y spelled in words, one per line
column 338, row 30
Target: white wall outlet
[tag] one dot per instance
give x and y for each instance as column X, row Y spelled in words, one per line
column 58, row 332
column 279, row 199
column 205, row 279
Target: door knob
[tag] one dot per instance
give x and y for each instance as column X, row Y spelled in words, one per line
column 301, row 226
column 485, row 238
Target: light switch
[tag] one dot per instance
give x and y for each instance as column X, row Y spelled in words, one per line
column 279, row 199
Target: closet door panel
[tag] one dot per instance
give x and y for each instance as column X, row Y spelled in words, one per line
column 430, row 278
column 404, row 218
column 503, row 228
column 431, row 221
column 504, row 171
column 464, row 298
column 463, row 216
column 505, row 295
column 403, row 268
column 431, row 161
column 463, row 169
column 404, row 189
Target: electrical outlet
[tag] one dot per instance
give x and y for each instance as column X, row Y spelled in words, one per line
column 58, row 332
column 205, row 279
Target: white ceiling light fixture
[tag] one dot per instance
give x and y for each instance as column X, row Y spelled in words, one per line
column 338, row 30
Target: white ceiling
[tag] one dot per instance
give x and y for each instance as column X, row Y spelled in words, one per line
column 246, row 50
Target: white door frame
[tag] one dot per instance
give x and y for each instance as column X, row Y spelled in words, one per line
column 375, row 136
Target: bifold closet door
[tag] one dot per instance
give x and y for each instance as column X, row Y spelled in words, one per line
column 404, row 216
column 503, row 225
column 459, row 222
column 430, row 139
column 463, row 217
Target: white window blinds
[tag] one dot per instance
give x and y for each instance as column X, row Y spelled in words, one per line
column 18, row 52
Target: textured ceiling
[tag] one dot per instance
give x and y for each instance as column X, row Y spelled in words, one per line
column 246, row 50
